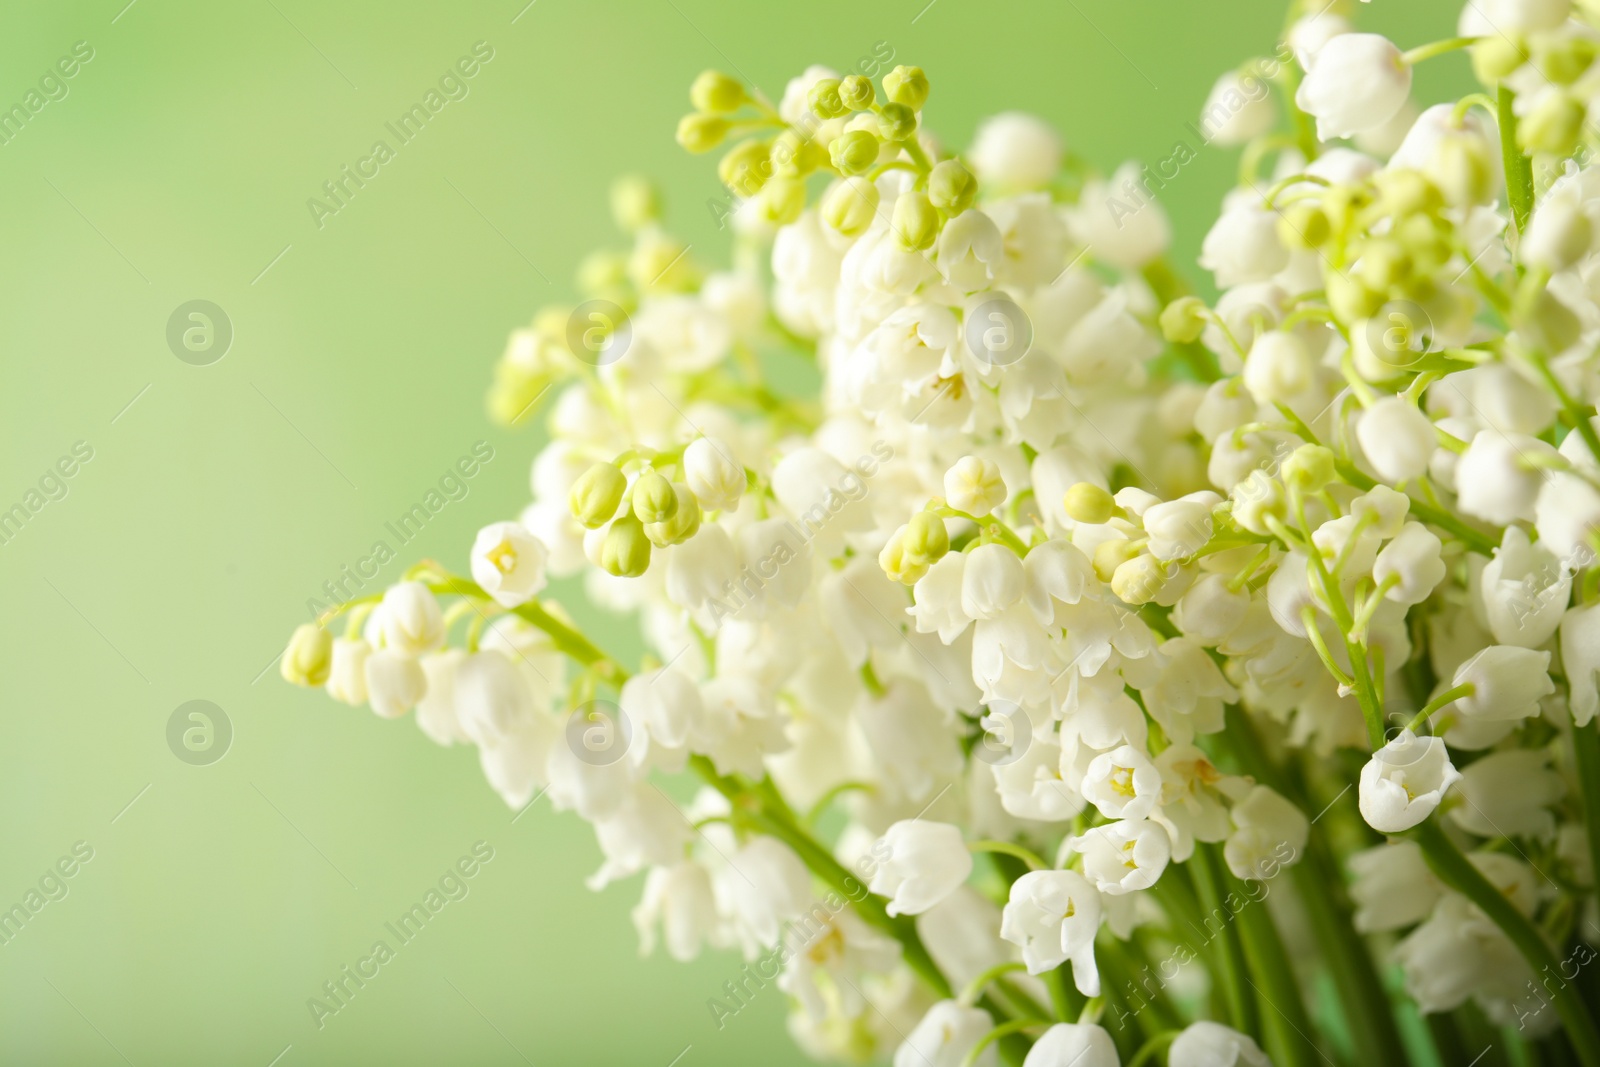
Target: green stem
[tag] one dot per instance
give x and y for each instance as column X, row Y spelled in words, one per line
column 1518, row 167
column 1437, row 48
column 975, row 988
column 1151, row 1050
column 1167, row 287
column 1449, row 696
column 996, row 1034
column 1579, row 419
column 1586, row 744
column 1230, row 957
column 1284, row 1019
column 1026, row 856
column 1457, row 872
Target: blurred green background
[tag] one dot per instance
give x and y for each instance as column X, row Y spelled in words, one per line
column 177, row 167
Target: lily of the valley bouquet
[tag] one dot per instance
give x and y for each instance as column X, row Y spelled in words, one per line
column 1075, row 671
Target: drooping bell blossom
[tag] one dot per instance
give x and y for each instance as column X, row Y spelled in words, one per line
column 1404, row 782
column 509, row 563
column 1053, row 917
column 1123, row 857
column 926, row 861
column 1357, row 82
column 410, row 619
column 945, row 1036
column 1073, row 1045
column 1209, row 1044
column 395, row 682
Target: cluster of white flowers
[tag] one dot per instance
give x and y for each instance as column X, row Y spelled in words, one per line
column 1041, row 558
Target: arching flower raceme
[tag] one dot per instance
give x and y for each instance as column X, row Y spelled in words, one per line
column 1045, row 556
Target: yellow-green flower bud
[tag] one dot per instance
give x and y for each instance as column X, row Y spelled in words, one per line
column 653, row 498
column 635, row 203
column 952, row 187
column 1350, row 299
column 1565, row 58
column 746, row 169
column 857, row 93
column 661, row 263
column 1497, row 55
column 1405, row 192
column 850, row 206
column 1553, row 125
column 1384, row 264
column 1342, row 203
column 783, row 200
column 854, row 151
column 1303, row 225
column 823, row 99
column 698, row 132
column 1257, row 499
column 915, row 222
column 684, row 524
column 795, row 155
column 1087, row 502
column 926, row 538
column 596, row 495
column 897, row 122
column 602, row 272
column 908, row 86
column 626, row 550
column 1111, row 554
column 1309, row 468
column 716, row 93
column 1463, row 169
column 1138, row 580
column 1426, row 240
column 309, row 657
column 1183, row 320
column 901, row 566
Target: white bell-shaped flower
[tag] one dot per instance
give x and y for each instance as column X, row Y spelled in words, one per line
column 1209, row 1044
column 1357, row 82
column 1180, row 528
column 1411, row 566
column 1123, row 857
column 395, row 682
column 974, row 485
column 1073, row 1045
column 712, row 474
column 1580, row 659
column 1239, row 108
column 991, row 582
column 1015, row 152
column 347, row 671
column 1392, row 887
column 1270, row 835
column 1053, row 917
column 410, row 619
column 1404, row 782
column 1525, row 590
column 509, row 563
column 925, row 862
column 1498, row 477
column 1509, row 794
column 1122, row 783
column 1397, row 439
column 491, row 696
column 681, row 902
column 945, row 1036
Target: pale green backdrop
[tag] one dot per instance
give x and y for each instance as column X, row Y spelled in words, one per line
column 218, row 498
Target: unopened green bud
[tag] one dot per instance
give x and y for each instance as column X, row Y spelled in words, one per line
column 1304, row 225
column 1111, row 554
column 897, row 122
column 596, row 494
column 915, row 222
column 1553, row 125
column 309, row 657
column 1463, row 169
column 795, row 155
column 926, row 538
column 824, row 101
column 1341, row 203
column 1426, row 240
column 854, row 151
column 653, row 498
column 850, row 206
column 783, row 200
column 602, row 272
column 746, row 169
column 626, row 550
column 900, row 565
column 635, row 203
column 716, row 93
column 1497, row 55
column 1350, row 298
column 908, row 86
column 1138, row 580
column 699, row 132
column 857, row 93
column 1088, row 503
column 1384, row 264
column 1183, row 320
column 1565, row 58
column 1309, row 468
column 1406, row 192
column 661, row 263
column 952, row 187
column 684, row 524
